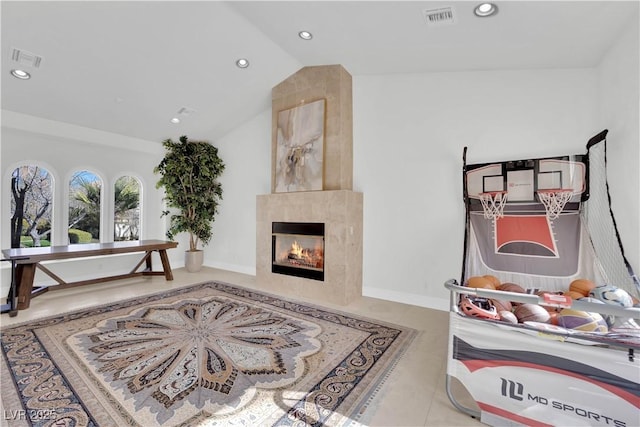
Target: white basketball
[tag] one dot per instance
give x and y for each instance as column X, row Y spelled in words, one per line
column 613, row 295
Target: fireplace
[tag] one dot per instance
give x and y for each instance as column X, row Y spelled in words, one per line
column 297, row 249
column 340, row 211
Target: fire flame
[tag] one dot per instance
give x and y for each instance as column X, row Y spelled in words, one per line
column 296, row 249
column 296, row 254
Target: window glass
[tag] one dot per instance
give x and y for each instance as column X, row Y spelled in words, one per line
column 85, row 190
column 126, row 212
column 31, row 206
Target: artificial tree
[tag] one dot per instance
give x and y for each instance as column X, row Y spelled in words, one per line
column 189, row 175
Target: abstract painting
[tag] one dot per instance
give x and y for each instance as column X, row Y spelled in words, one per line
column 300, row 148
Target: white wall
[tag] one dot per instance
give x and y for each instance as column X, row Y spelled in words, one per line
column 409, row 134
column 247, row 156
column 618, row 111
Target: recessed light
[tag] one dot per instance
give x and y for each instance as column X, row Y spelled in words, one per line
column 305, row 35
column 175, row 120
column 242, row 63
column 20, row 74
column 484, row 10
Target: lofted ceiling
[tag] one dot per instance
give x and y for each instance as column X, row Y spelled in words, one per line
column 128, row 67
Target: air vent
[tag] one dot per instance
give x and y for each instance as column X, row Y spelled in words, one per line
column 24, row 57
column 441, row 16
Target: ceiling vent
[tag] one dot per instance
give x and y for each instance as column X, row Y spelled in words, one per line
column 438, row 17
column 24, row 57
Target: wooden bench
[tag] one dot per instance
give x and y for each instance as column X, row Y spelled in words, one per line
column 26, row 260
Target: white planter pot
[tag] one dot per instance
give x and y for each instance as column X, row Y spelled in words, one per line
column 193, row 260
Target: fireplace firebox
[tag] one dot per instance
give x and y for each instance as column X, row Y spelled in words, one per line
column 297, row 249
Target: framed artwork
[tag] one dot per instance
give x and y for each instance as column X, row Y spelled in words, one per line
column 300, row 148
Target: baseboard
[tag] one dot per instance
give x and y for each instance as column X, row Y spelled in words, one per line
column 251, row 271
column 407, row 298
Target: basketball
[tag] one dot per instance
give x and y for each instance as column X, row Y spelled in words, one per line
column 502, row 305
column 507, row 316
column 582, row 321
column 610, row 294
column 609, row 318
column 511, row 287
column 493, row 279
column 582, row 286
column 479, row 282
column 573, row 294
column 531, row 313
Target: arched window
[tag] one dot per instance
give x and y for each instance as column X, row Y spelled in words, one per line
column 126, row 209
column 31, row 206
column 85, row 189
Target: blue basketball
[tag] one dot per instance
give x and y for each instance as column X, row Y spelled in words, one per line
column 613, row 295
column 582, row 321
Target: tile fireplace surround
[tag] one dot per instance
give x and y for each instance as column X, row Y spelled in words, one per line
column 337, row 206
column 341, row 212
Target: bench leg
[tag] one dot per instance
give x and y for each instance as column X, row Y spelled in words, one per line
column 165, row 264
column 11, row 306
column 149, row 265
column 25, row 273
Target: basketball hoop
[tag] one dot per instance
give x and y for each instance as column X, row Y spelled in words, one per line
column 493, row 203
column 554, row 200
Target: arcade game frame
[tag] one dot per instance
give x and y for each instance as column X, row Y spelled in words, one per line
column 542, row 223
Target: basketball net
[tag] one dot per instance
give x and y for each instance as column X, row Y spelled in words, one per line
column 554, row 200
column 493, row 203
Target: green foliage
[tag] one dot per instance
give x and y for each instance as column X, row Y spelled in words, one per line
column 25, row 226
column 126, row 195
column 87, row 196
column 27, row 242
column 43, row 225
column 79, row 236
column 189, row 173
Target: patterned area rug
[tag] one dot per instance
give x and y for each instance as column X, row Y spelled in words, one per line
column 207, row 355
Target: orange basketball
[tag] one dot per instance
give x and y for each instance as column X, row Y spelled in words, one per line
column 480, row 282
column 573, row 294
column 582, row 286
column 511, row 287
column 502, row 305
column 493, row 279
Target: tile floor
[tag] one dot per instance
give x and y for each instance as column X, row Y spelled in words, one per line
column 414, row 395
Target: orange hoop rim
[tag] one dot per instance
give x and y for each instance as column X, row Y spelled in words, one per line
column 555, row 190
column 491, row 193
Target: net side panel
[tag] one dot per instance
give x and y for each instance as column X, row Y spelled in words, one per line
column 598, row 217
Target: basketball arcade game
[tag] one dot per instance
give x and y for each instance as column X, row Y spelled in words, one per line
column 541, row 224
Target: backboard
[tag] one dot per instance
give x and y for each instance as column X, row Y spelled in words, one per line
column 521, row 179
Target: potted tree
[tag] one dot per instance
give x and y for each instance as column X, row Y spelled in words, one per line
column 189, row 174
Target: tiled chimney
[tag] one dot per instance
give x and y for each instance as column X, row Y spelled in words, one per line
column 337, row 205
